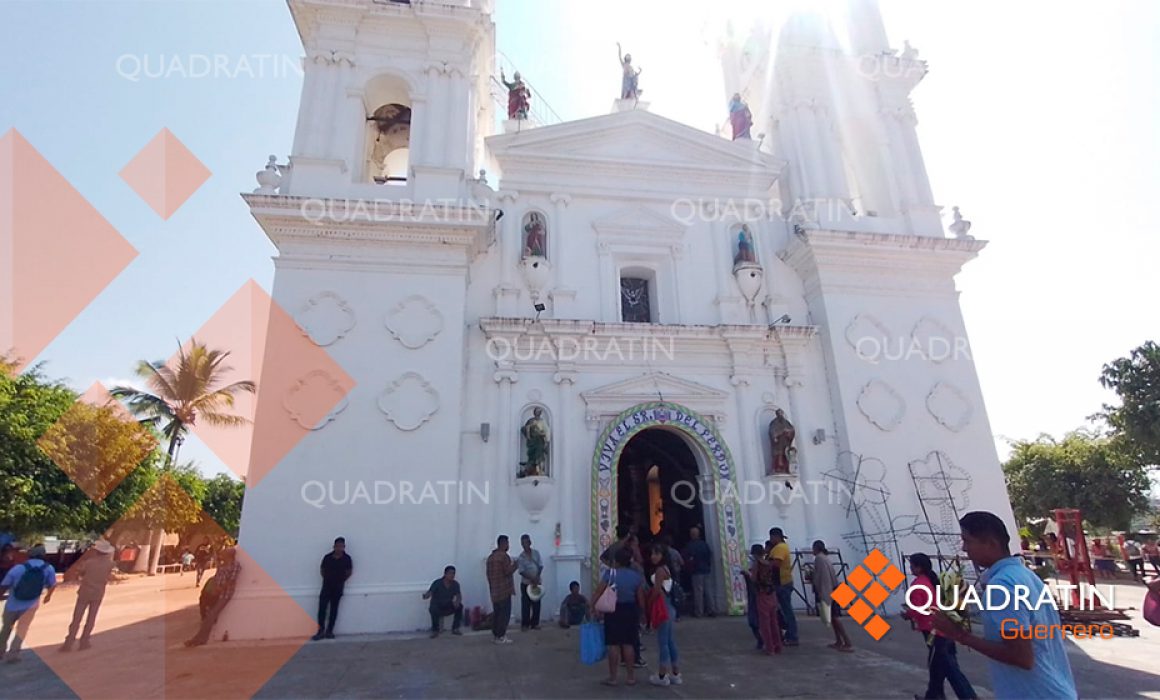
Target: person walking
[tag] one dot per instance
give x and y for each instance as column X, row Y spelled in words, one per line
column 763, row 573
column 24, row 584
column 701, row 557
column 824, row 582
column 93, row 569
column 1023, row 665
column 201, row 559
column 780, row 556
column 500, row 568
column 941, row 659
column 622, row 626
column 668, row 672
column 1152, row 551
column 335, row 569
column 530, row 566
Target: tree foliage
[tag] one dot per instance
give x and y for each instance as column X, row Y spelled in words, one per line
column 1097, row 474
column 223, row 502
column 1136, row 380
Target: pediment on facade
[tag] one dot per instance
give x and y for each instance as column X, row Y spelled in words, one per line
column 633, row 137
column 639, row 221
column 611, row 399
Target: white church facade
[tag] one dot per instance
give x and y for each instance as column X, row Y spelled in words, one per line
column 627, row 320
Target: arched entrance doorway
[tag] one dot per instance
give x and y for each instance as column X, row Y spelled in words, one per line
column 657, row 492
column 675, row 434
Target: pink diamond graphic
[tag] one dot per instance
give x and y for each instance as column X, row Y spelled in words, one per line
column 165, row 173
column 56, row 251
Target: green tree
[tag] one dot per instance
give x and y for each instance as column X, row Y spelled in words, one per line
column 1094, row 473
column 223, row 502
column 36, row 495
column 178, row 397
column 1136, row 380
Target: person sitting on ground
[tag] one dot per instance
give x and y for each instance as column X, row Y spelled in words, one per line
column 574, row 608
column 446, row 599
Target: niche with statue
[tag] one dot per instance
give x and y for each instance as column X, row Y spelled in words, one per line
column 746, row 270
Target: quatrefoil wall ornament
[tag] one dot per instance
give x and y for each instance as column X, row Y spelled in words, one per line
column 409, row 401
column 881, row 404
column 949, row 406
column 316, row 388
column 414, row 321
column 325, row 318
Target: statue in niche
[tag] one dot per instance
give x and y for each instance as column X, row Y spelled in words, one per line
column 537, row 437
column 740, row 117
column 744, row 247
column 781, row 435
column 519, row 96
column 630, row 79
column 535, row 236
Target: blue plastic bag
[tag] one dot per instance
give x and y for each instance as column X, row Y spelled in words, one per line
column 592, row 649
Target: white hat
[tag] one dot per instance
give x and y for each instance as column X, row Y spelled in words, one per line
column 535, row 592
column 103, row 547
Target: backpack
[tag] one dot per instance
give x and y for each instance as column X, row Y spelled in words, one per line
column 31, row 583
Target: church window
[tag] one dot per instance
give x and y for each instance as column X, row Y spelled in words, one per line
column 636, row 300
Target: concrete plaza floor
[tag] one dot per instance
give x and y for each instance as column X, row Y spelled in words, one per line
column 137, row 653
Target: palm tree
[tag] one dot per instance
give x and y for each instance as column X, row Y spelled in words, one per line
column 179, row 396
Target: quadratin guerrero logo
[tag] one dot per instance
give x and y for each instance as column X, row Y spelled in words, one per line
column 873, row 580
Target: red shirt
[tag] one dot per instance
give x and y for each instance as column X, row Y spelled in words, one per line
column 922, row 620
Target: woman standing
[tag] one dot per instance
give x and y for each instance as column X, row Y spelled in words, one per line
column 622, row 627
column 824, row 584
column 662, row 587
column 941, row 659
column 764, row 575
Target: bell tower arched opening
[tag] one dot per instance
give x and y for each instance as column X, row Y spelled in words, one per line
column 388, row 131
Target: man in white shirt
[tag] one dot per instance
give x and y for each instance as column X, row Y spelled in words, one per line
column 530, row 566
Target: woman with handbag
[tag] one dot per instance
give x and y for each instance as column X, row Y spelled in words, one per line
column 620, row 598
column 662, row 614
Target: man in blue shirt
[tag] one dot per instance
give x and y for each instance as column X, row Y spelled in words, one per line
column 1022, row 640
column 24, row 598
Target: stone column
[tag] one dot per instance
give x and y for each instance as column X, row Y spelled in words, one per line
column 722, row 263
column 505, row 375
column 456, row 129
column 564, row 466
column 420, row 131
column 794, row 379
column 352, row 137
column 434, row 147
column 507, row 294
column 563, row 294
column 746, row 472
column 333, row 125
column 305, row 135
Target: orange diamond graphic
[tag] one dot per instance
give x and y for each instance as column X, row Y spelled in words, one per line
column 876, row 594
column 138, row 642
column 165, row 174
column 56, row 251
column 876, row 627
column 843, row 594
column 300, row 386
column 859, row 578
column 97, row 443
column 875, row 560
column 892, row 577
column 860, row 610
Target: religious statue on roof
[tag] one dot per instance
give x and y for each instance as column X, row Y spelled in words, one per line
column 630, row 78
column 740, row 117
column 519, row 96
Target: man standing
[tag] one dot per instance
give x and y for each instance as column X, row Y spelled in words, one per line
column 699, row 554
column 1026, row 659
column 217, row 594
column 445, row 600
column 779, row 555
column 94, row 569
column 25, row 582
column 500, row 568
column 336, row 568
column 530, row 566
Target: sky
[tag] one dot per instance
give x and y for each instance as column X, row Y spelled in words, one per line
column 1038, row 119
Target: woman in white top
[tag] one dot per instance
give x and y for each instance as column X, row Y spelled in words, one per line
column 662, row 585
